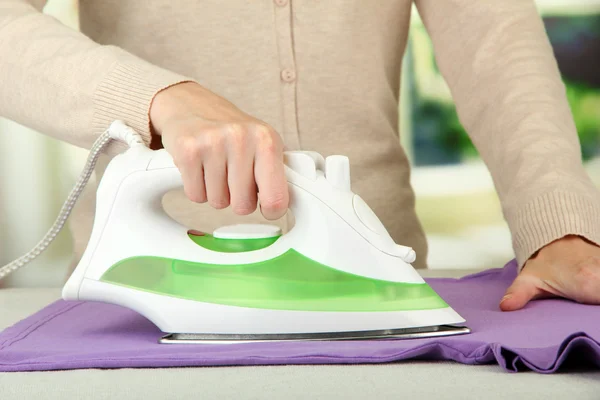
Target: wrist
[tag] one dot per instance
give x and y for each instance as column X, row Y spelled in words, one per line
column 164, row 106
column 553, row 216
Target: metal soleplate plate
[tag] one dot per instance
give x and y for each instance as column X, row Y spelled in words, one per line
column 388, row 334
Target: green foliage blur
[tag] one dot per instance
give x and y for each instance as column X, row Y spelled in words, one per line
column 439, row 137
column 441, row 118
column 585, row 106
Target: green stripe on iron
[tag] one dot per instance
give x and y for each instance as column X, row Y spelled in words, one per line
column 210, row 242
column 288, row 282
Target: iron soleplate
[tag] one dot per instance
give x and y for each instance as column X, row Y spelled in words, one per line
column 387, row 334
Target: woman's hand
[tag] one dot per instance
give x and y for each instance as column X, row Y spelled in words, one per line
column 225, row 156
column 568, row 267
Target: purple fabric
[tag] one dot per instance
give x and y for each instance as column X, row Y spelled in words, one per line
column 543, row 337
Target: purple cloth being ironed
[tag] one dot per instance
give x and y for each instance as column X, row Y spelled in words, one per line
column 541, row 337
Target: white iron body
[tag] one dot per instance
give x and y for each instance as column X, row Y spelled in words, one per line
column 333, row 226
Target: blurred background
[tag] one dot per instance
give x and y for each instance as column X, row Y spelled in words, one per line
column 455, row 195
column 456, row 200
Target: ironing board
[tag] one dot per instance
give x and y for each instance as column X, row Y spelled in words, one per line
column 410, row 379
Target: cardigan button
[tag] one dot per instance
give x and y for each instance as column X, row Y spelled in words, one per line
column 288, row 75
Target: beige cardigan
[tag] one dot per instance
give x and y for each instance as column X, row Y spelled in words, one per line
column 325, row 75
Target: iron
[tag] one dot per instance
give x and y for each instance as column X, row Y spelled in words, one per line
column 335, row 275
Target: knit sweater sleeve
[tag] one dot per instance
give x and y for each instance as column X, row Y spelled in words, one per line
column 59, row 82
column 500, row 67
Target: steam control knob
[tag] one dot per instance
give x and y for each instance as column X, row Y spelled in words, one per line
column 302, row 163
column 337, row 171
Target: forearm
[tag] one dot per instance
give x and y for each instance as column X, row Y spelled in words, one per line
column 59, row 82
column 501, row 70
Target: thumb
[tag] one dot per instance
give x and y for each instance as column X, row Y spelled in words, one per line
column 519, row 294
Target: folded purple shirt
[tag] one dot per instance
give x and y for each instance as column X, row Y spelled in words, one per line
column 542, row 337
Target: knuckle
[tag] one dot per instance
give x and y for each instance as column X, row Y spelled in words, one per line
column 219, row 203
column 277, row 201
column 238, row 135
column 267, row 139
column 196, row 196
column 188, row 150
column 236, row 130
column 212, row 140
column 244, row 207
column 185, row 141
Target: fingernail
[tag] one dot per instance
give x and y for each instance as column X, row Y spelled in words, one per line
column 506, row 297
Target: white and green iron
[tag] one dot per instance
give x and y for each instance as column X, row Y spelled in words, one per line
column 337, row 274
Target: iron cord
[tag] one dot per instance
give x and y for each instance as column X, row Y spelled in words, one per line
column 116, row 131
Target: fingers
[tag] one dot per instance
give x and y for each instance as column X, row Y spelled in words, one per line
column 269, row 172
column 215, row 170
column 240, row 174
column 202, row 164
column 521, row 292
column 224, row 155
column 186, row 159
column 193, row 183
column 233, row 164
